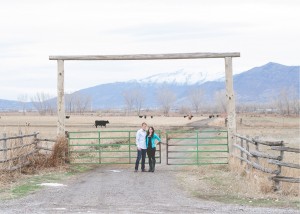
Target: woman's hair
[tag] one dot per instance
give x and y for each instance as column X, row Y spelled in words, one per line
column 151, row 127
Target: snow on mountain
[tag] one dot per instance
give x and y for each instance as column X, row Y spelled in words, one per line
column 182, row 77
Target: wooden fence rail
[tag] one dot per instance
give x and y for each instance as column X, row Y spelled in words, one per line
column 14, row 152
column 253, row 158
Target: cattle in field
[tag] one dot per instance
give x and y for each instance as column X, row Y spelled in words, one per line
column 151, row 116
column 101, row 123
column 145, row 116
column 185, row 116
column 67, row 117
column 190, row 117
column 140, row 116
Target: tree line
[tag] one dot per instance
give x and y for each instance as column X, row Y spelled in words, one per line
column 286, row 102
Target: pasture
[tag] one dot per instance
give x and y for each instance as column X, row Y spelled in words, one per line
column 209, row 182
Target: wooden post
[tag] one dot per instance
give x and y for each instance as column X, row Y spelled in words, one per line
column 242, row 153
column 277, row 183
column 60, row 99
column 231, row 115
column 4, row 147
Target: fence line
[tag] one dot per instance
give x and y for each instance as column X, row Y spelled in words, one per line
column 20, row 151
column 271, row 158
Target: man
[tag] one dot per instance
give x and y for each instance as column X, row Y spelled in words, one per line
column 141, row 147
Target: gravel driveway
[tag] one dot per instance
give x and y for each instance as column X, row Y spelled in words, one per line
column 108, row 189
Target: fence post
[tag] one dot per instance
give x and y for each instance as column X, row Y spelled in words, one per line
column 248, row 158
column 257, row 149
column 242, row 153
column 167, row 149
column 278, row 183
column 129, row 147
column 197, row 147
column 4, row 147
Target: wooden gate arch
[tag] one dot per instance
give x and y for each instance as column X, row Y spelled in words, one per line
column 231, row 114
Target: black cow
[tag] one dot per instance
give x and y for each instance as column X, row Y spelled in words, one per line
column 140, row 116
column 145, row 116
column 101, row 123
column 67, row 117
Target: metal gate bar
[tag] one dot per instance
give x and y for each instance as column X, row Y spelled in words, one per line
column 197, row 147
column 104, row 147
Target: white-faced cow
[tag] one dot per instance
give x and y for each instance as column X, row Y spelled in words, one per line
column 101, row 123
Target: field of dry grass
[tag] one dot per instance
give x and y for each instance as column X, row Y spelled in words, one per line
column 205, row 181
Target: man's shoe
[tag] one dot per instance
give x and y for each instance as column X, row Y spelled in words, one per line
column 143, row 170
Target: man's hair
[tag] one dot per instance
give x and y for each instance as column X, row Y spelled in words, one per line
column 144, row 123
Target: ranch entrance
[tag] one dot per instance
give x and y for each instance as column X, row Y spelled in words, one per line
column 195, row 147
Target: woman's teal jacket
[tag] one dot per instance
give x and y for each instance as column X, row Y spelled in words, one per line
column 154, row 137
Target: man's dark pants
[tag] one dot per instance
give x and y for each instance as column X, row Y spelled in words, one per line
column 140, row 154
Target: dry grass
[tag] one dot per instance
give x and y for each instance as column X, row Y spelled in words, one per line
column 216, row 180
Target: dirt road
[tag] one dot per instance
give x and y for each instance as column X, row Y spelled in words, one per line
column 108, row 189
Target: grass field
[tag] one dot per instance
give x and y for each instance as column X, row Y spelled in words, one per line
column 210, row 182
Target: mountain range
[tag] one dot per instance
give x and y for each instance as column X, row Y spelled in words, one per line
column 257, row 85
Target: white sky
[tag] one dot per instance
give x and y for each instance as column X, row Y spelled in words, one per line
column 30, row 31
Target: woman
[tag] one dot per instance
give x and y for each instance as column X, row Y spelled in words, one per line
column 151, row 147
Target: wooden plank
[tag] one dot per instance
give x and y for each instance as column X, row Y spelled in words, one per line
column 245, row 138
column 268, row 143
column 16, row 137
column 264, row 155
column 279, row 163
column 286, row 149
column 196, row 55
column 242, row 149
column 259, row 167
column 286, row 179
column 231, row 114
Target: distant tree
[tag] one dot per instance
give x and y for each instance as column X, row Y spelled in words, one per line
column 42, row 103
column 129, row 101
column 23, row 98
column 287, row 101
column 220, row 99
column 134, row 100
column 166, row 98
column 139, row 100
column 196, row 98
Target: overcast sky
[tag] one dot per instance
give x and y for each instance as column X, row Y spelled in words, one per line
column 30, row 31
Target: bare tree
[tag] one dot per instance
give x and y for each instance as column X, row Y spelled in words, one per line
column 139, row 100
column 129, row 101
column 166, row 98
column 220, row 98
column 196, row 97
column 287, row 101
column 41, row 101
column 81, row 102
column 23, row 98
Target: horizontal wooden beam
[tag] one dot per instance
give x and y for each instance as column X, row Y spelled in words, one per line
column 286, row 179
column 286, row 149
column 147, row 56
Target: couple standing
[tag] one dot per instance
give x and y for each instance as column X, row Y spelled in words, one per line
column 145, row 142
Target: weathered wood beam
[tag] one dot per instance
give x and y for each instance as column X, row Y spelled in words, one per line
column 242, row 149
column 147, row 56
column 286, row 149
column 60, row 99
column 259, row 167
column 286, row 179
column 291, row 165
column 268, row 143
column 231, row 114
column 19, row 136
column 264, row 155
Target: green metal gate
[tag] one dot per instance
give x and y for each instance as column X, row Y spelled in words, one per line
column 104, row 147
column 197, row 147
